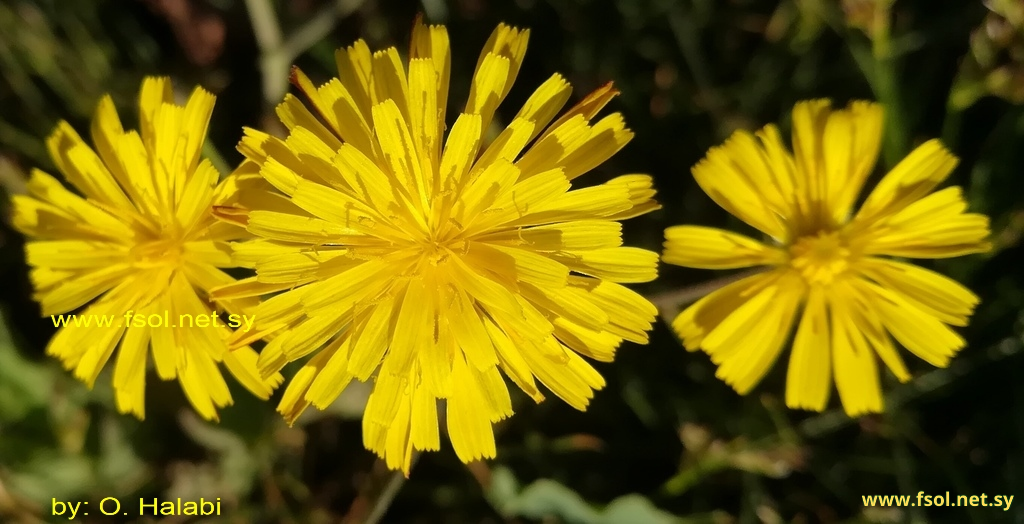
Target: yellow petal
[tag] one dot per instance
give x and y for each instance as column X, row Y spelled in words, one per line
column 932, row 293
column 370, row 339
column 383, row 404
column 711, row 248
column 469, row 330
column 576, row 146
column 130, row 373
column 155, row 92
column 294, row 114
column 630, row 315
column 333, row 377
column 433, row 354
column 469, row 426
column 598, row 345
column 348, row 286
column 809, row 120
column 809, row 379
column 396, row 144
column 867, row 322
column 617, row 264
column 588, row 107
column 432, row 42
column 423, row 429
column 704, row 316
column 568, row 376
column 293, row 228
column 544, row 104
column 85, row 287
column 460, row 149
column 485, row 188
column 754, row 165
column 423, row 113
column 415, row 323
column 241, row 363
column 718, row 176
column 84, row 168
column 309, row 335
column 389, row 81
column 914, row 177
column 346, row 118
column 74, row 254
column 746, row 348
column 204, row 386
column 366, row 178
column 852, row 138
column 512, row 360
column 496, row 70
column 197, row 196
column 294, row 400
column 933, row 227
column 853, row 363
column 397, row 444
column 519, row 265
column 484, row 290
column 355, row 69
column 562, row 236
column 195, row 121
column 581, row 204
column 641, row 195
column 921, row 333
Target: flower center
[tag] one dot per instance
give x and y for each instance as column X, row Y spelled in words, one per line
column 161, row 252
column 820, row 258
column 434, row 252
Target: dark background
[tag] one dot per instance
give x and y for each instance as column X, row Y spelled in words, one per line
column 665, row 441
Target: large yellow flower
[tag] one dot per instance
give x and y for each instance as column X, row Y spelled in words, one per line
column 431, row 268
column 141, row 246
column 822, row 259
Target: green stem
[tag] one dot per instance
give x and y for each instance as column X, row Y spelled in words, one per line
column 692, row 475
column 278, row 52
column 903, row 464
column 376, row 494
column 886, row 87
column 951, row 125
column 670, row 303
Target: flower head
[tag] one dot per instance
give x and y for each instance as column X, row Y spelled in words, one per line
column 830, row 270
column 433, row 264
column 140, row 249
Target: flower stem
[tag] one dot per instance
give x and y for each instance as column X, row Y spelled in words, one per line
column 670, row 303
column 885, row 83
column 277, row 52
column 376, row 494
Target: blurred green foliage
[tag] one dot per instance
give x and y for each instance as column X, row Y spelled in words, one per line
column 665, row 442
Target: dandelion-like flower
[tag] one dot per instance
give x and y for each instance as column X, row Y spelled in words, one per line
column 830, row 270
column 139, row 243
column 430, row 268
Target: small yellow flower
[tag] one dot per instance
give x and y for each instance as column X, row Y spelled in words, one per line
column 825, row 261
column 140, row 242
column 431, row 268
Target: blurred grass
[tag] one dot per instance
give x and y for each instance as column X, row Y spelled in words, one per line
column 665, row 441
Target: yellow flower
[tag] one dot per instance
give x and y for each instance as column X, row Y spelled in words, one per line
column 141, row 247
column 826, row 261
column 431, row 268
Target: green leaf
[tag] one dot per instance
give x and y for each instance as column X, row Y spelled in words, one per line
column 118, row 465
column 24, row 385
column 51, row 474
column 237, row 465
column 546, row 498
